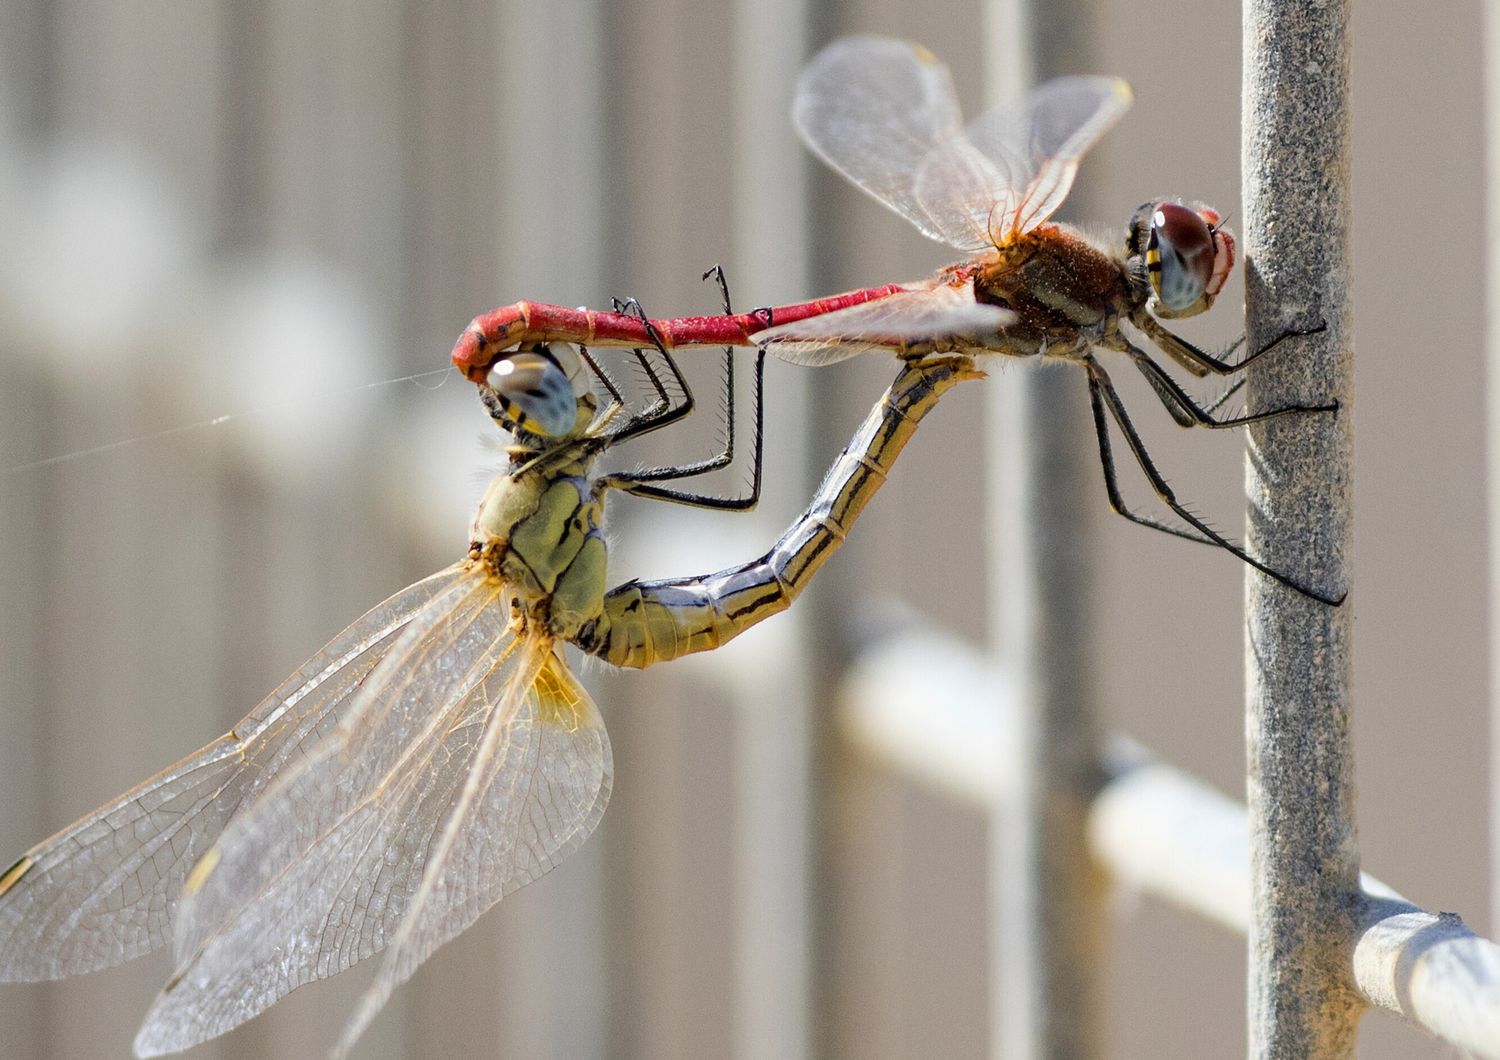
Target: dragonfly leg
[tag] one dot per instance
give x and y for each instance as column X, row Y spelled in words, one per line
column 1105, row 402
column 664, row 412
column 616, row 400
column 648, row 622
column 666, row 409
column 641, row 483
column 1229, row 391
column 1200, row 362
column 762, row 317
column 1187, row 412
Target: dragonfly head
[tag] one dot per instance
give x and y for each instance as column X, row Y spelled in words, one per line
column 541, row 391
column 1187, row 254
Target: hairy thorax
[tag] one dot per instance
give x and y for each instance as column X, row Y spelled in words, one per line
column 1068, row 292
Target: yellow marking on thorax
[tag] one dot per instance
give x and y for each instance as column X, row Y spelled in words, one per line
column 15, row 872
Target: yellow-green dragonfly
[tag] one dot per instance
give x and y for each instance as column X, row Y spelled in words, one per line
column 437, row 754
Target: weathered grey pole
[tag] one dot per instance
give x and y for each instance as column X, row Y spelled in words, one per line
column 1047, row 898
column 1491, row 19
column 1305, row 898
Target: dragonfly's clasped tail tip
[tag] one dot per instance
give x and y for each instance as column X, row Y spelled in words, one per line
column 469, row 354
column 487, row 334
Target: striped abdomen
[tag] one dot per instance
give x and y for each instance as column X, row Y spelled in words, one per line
column 648, row 622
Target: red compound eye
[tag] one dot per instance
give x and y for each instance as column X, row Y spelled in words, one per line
column 1180, row 256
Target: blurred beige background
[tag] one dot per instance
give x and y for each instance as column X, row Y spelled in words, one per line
column 253, row 209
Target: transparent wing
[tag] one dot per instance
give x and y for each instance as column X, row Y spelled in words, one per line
column 1012, row 167
column 535, row 790
column 939, row 318
column 470, row 764
column 873, row 108
column 103, row 890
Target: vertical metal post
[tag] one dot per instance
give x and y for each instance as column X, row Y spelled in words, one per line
column 1491, row 18
column 1304, row 855
column 1046, row 907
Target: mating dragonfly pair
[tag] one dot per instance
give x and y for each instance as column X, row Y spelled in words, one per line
column 439, row 753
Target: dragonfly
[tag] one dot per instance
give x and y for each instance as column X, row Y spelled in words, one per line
column 883, row 113
column 439, row 753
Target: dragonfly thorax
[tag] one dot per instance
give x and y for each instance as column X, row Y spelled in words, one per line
column 538, row 532
column 1068, row 292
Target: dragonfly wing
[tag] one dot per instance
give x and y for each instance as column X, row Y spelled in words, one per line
column 939, row 318
column 103, row 890
column 873, row 108
column 536, row 788
column 469, row 752
column 1013, row 166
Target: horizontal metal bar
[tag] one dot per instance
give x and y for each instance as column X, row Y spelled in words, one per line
column 1430, row 969
column 921, row 702
column 918, row 702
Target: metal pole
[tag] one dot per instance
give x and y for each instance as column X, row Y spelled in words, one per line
column 1304, row 856
column 1491, row 20
column 922, row 703
column 1046, row 896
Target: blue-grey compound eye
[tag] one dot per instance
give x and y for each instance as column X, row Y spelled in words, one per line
column 535, row 393
column 1179, row 256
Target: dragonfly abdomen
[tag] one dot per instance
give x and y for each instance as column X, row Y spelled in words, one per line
column 649, row 622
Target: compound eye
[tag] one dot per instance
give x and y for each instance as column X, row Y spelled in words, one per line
column 535, row 393
column 1180, row 258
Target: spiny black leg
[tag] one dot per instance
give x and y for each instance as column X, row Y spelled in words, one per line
column 1187, row 412
column 1199, row 361
column 1290, row 333
column 727, row 402
column 1229, row 391
column 663, row 412
column 1111, row 481
column 663, row 400
column 638, row 483
column 616, row 400
column 687, row 406
column 725, row 456
column 764, row 312
column 1102, row 396
column 717, row 272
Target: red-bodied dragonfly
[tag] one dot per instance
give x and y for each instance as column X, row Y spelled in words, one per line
column 884, row 113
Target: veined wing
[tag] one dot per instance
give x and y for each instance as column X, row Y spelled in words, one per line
column 873, row 108
column 1013, row 166
column 535, row 790
column 938, row 318
column 103, row 890
column 471, row 763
